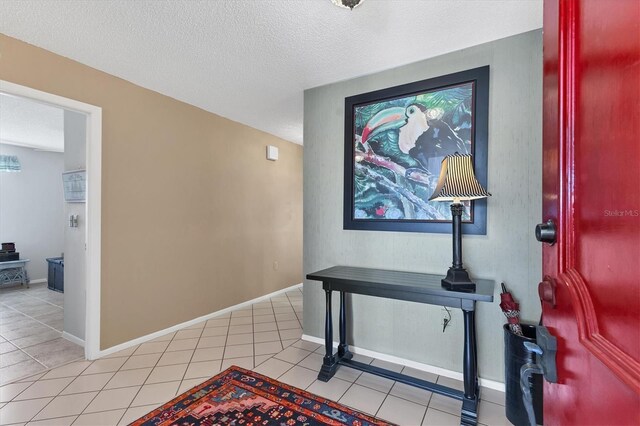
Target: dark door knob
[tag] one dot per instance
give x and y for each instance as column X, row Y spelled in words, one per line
column 547, row 291
column 546, row 232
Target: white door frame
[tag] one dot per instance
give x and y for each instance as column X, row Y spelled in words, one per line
column 92, row 207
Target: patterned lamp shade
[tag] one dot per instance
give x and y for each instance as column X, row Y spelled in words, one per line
column 457, row 181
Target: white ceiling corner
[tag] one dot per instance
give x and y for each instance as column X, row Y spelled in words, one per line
column 31, row 124
column 250, row 61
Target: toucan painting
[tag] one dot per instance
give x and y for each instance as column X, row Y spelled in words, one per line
column 399, row 145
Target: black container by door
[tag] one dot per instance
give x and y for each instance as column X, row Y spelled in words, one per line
column 56, row 274
column 515, row 356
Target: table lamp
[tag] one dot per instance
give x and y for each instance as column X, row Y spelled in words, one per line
column 457, row 182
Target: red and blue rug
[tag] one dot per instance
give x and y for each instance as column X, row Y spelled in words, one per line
column 241, row 397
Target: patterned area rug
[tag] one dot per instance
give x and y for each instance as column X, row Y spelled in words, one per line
column 241, row 397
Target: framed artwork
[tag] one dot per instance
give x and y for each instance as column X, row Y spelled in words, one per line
column 395, row 140
column 75, row 186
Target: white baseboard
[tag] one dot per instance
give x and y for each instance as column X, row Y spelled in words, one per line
column 189, row 323
column 72, row 338
column 491, row 384
column 38, row 281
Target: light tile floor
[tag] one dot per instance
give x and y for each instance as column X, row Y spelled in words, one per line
column 264, row 337
column 31, row 340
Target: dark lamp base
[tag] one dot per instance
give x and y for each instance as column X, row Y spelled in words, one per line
column 457, row 279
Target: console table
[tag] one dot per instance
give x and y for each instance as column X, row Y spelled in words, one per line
column 414, row 287
column 14, row 271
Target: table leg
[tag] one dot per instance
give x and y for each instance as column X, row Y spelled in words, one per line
column 329, row 364
column 25, row 277
column 343, row 348
column 470, row 370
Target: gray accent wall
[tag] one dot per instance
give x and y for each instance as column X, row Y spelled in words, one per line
column 508, row 252
column 31, row 207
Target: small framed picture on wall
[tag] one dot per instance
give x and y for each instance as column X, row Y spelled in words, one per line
column 75, row 186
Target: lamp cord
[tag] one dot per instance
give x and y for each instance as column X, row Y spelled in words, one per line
column 446, row 321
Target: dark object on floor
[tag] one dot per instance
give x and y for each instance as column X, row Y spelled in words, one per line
column 8, row 246
column 516, row 355
column 8, row 256
column 55, row 279
column 237, row 394
column 511, row 310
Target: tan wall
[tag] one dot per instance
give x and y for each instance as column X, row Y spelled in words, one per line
column 193, row 215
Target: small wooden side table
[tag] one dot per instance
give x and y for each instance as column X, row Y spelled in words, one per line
column 14, row 271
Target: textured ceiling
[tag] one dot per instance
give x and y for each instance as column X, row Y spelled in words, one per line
column 28, row 123
column 251, row 60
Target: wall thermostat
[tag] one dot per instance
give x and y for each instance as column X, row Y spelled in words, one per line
column 272, row 152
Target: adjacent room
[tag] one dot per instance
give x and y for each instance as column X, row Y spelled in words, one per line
column 341, row 212
column 39, row 144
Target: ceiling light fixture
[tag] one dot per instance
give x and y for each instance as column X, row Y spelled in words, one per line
column 347, row 4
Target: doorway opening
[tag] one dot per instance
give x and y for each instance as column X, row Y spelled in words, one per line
column 82, row 122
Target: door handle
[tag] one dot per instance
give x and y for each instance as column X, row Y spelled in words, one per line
column 546, row 232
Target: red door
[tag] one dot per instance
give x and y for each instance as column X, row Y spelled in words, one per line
column 591, row 189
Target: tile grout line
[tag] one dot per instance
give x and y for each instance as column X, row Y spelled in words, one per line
column 114, row 373
column 344, row 393
column 85, row 375
column 270, row 356
column 445, row 412
column 58, row 394
column 273, row 356
column 27, row 292
column 24, row 293
column 141, row 386
column 204, row 377
column 34, row 319
column 188, row 363
column 97, row 392
column 276, row 321
column 128, row 357
column 125, row 409
column 224, row 349
column 289, row 369
column 41, row 372
column 294, row 311
column 27, row 354
column 253, row 335
column 152, row 368
column 424, row 416
column 380, row 407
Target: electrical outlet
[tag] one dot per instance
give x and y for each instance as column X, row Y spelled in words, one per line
column 275, row 265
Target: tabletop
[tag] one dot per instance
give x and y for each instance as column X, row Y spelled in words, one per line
column 413, row 286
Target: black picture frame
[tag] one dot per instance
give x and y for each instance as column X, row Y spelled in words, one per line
column 476, row 223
